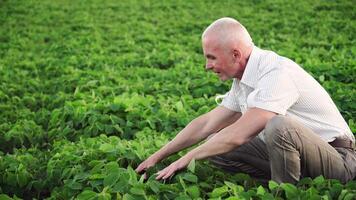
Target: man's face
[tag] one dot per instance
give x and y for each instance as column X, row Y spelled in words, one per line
column 219, row 60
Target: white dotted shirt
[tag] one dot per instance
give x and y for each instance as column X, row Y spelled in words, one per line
column 275, row 83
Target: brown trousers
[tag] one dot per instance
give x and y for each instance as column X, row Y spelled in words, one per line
column 290, row 152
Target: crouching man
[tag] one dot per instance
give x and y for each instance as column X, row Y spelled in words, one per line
column 276, row 122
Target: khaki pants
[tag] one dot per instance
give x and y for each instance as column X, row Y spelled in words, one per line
column 290, row 152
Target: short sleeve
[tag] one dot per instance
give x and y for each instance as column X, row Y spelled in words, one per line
column 230, row 100
column 275, row 91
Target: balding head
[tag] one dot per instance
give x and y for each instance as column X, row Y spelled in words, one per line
column 229, row 33
column 227, row 47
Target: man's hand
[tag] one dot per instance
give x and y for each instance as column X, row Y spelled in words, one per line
column 174, row 167
column 149, row 162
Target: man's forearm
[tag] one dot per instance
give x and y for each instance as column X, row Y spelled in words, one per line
column 220, row 143
column 190, row 135
column 233, row 136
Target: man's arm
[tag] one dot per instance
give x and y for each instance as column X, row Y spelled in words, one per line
column 197, row 130
column 238, row 133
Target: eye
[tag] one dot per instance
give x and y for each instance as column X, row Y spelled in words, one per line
column 210, row 57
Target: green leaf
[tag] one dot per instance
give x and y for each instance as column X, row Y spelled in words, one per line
column 305, row 181
column 335, row 190
column 97, row 176
column 351, row 185
column 104, row 195
column 72, row 184
column 87, row 195
column 121, row 186
column 342, row 194
column 350, row 196
column 182, row 197
column 5, row 197
column 272, row 185
column 113, row 167
column 107, row 148
column 260, row 190
column 229, row 184
column 132, row 176
column 142, row 179
column 219, row 192
column 137, row 191
column 205, row 185
column 190, row 177
column 236, row 189
column 181, row 181
column 233, row 198
column 154, row 186
column 268, row 196
column 191, row 166
column 111, row 179
column 179, row 106
column 81, row 176
column 128, row 197
column 290, row 190
column 115, row 107
column 242, row 177
column 22, row 178
column 193, row 191
column 312, row 191
column 319, row 180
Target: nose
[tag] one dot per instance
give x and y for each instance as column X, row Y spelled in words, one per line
column 208, row 66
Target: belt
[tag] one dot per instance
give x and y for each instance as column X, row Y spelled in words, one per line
column 342, row 142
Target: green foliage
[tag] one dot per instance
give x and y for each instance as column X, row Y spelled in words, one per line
column 91, row 88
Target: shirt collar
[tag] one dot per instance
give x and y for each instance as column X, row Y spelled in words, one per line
column 249, row 76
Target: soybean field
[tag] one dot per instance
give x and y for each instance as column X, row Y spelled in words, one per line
column 90, row 88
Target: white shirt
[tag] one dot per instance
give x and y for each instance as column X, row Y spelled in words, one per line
column 275, row 83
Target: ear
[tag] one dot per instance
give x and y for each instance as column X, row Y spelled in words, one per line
column 236, row 53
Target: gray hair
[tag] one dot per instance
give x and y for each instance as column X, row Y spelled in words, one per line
column 228, row 30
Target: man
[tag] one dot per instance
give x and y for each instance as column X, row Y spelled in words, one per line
column 276, row 122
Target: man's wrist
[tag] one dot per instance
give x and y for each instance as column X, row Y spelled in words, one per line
column 191, row 155
column 157, row 157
